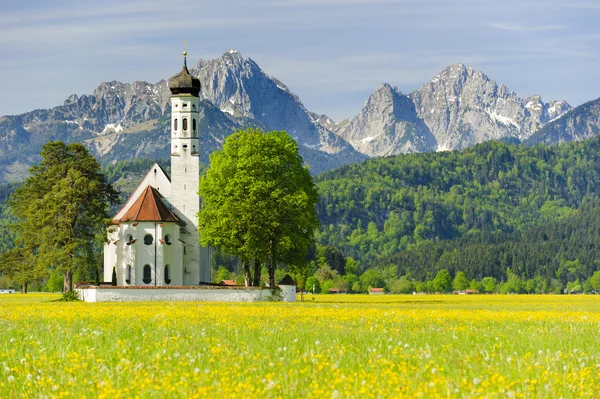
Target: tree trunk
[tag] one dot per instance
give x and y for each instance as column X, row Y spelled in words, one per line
column 68, row 283
column 271, row 269
column 22, row 287
column 257, row 265
column 26, row 285
column 247, row 274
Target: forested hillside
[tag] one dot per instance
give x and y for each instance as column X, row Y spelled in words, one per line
column 378, row 208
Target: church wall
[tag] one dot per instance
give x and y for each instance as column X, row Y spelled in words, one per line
column 117, row 294
column 110, row 252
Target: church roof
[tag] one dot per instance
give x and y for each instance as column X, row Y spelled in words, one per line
column 148, row 207
column 184, row 82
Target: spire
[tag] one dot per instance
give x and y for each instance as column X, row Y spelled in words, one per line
column 185, row 54
column 184, row 82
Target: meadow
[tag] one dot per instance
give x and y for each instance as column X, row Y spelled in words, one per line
column 345, row 346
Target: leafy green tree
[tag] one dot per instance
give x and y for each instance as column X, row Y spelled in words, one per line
column 326, row 286
column 595, row 280
column 460, row 282
column 258, row 200
column 488, row 284
column 371, row 279
column 223, row 274
column 442, row 281
column 61, row 210
column 402, row 286
column 351, row 266
column 55, row 282
column 475, row 285
column 313, row 285
column 356, row 287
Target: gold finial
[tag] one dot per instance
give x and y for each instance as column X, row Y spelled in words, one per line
column 185, row 53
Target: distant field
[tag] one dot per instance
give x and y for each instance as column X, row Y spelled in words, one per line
column 335, row 346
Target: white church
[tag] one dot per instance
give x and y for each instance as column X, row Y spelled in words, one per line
column 154, row 237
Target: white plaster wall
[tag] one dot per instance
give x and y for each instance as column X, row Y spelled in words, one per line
column 172, row 294
column 289, row 293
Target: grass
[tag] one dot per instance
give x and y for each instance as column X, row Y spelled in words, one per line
column 342, row 346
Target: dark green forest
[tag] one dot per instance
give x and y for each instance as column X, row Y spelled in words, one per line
column 378, row 208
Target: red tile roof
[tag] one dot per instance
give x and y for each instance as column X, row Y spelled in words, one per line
column 149, row 207
column 227, row 282
column 376, row 290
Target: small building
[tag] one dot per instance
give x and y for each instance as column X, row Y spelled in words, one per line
column 336, row 291
column 376, row 291
column 288, row 288
column 230, row 283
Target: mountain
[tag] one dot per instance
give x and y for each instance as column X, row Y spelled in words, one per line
column 458, row 108
column 579, row 123
column 123, row 120
column 388, row 124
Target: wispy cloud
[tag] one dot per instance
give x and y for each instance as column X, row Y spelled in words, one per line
column 525, row 28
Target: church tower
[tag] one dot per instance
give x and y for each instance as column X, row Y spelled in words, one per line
column 185, row 172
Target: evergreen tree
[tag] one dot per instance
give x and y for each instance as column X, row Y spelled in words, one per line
column 60, row 208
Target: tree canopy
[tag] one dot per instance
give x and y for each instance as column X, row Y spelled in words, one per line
column 60, row 209
column 258, row 201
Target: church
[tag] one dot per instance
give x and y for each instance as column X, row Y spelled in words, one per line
column 153, row 240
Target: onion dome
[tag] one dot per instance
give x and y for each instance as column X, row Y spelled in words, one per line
column 183, row 82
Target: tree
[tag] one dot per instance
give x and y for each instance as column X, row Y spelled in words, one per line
column 488, row 284
column 61, row 210
column 442, row 281
column 313, row 285
column 595, row 280
column 258, row 200
column 460, row 282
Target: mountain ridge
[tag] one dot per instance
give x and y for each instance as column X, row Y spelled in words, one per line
column 457, row 108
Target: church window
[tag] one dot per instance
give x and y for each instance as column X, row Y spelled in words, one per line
column 167, row 274
column 184, row 124
column 128, row 276
column 168, row 239
column 147, row 274
column 128, row 239
column 175, row 124
column 148, row 239
column 184, row 105
column 194, row 125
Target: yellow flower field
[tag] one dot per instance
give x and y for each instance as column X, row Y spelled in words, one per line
column 345, row 346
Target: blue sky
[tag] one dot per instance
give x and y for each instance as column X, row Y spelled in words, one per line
column 332, row 53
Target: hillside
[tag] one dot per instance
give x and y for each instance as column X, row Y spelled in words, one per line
column 377, row 209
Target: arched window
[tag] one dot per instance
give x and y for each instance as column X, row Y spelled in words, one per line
column 128, row 239
column 184, row 124
column 148, row 239
column 168, row 239
column 194, row 125
column 147, row 279
column 175, row 124
column 128, row 276
column 167, row 274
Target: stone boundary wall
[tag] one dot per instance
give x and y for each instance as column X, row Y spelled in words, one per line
column 174, row 294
